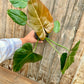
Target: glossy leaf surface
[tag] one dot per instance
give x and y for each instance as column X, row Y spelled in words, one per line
column 24, row 55
column 39, row 18
column 17, row 16
column 70, row 58
column 63, row 60
column 19, row 3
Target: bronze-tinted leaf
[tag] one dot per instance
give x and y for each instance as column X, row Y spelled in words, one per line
column 39, row 18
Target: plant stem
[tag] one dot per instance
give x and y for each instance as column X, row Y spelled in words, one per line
column 57, row 44
column 35, row 46
column 52, row 46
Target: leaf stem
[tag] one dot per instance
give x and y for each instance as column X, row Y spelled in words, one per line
column 52, row 46
column 35, row 46
column 57, row 44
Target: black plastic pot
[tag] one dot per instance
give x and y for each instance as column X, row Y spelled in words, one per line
column 36, row 36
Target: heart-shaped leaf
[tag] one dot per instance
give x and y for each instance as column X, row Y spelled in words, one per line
column 28, row 47
column 19, row 3
column 63, row 60
column 39, row 18
column 56, row 27
column 70, row 58
column 24, row 55
column 18, row 16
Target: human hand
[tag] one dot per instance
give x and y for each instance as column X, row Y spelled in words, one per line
column 30, row 38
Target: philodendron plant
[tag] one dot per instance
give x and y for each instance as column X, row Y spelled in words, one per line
column 41, row 21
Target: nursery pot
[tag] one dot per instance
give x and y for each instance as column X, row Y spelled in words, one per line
column 36, row 36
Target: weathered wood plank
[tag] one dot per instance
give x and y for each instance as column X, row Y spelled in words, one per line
column 68, row 76
column 1, row 20
column 3, row 15
column 47, row 71
column 8, row 77
column 10, row 25
column 79, row 76
column 67, row 34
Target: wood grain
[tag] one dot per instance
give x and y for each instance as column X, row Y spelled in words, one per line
column 47, row 71
column 70, row 73
column 79, row 76
column 8, row 77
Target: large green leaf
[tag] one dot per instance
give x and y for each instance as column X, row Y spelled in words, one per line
column 27, row 46
column 39, row 18
column 19, row 3
column 63, row 60
column 70, row 58
column 18, row 16
column 24, row 55
column 56, row 27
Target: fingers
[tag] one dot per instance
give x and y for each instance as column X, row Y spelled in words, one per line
column 32, row 32
column 32, row 38
column 40, row 41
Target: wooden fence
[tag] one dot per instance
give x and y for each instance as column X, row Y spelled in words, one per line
column 70, row 13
